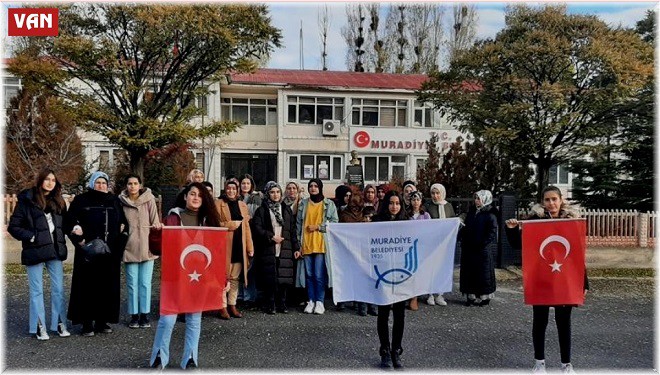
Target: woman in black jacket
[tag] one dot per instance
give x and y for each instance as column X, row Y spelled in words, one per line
column 552, row 207
column 37, row 222
column 275, row 243
column 478, row 249
column 96, row 214
column 391, row 209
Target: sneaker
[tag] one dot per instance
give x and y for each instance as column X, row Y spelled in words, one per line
column 309, row 308
column 539, row 367
column 135, row 321
column 103, row 328
column 144, row 321
column 319, row 308
column 430, row 301
column 88, row 330
column 567, row 368
column 62, row 331
column 440, row 300
column 41, row 333
column 191, row 364
column 158, row 364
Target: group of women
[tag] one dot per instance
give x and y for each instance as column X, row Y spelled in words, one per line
column 277, row 233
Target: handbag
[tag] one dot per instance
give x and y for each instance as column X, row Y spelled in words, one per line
column 97, row 246
column 155, row 239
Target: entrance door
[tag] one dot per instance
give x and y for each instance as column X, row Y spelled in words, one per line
column 263, row 167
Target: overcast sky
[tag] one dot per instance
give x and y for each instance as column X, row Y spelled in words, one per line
column 288, row 17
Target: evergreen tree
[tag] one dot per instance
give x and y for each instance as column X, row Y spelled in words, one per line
column 428, row 173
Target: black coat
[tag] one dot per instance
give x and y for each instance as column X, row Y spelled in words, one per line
column 28, row 221
column 478, row 251
column 95, row 284
column 264, row 247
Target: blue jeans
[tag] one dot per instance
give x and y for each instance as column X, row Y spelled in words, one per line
column 138, row 283
column 164, row 335
column 315, row 275
column 37, row 308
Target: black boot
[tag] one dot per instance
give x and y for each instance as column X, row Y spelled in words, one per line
column 372, row 310
column 385, row 359
column 396, row 358
column 362, row 308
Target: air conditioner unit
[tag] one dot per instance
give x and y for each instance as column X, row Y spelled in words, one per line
column 331, row 128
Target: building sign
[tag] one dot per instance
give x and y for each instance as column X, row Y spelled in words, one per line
column 32, row 22
column 407, row 141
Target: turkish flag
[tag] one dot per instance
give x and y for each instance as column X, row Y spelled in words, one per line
column 553, row 259
column 193, row 269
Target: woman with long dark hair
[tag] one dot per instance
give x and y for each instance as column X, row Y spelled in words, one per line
column 391, row 209
column 197, row 210
column 552, row 206
column 37, row 221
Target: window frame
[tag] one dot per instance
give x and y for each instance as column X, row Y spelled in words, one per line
column 362, row 109
column 296, row 102
column 333, row 175
column 267, row 104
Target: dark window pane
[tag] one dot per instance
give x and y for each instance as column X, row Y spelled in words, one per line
column 240, row 114
column 370, row 169
column 419, row 117
column 356, row 117
column 336, row 169
column 257, row 101
column 305, row 114
column 293, row 167
column 370, row 116
column 563, row 174
column 324, row 113
column 257, row 115
column 292, row 114
column 339, row 113
column 383, row 169
column 553, row 175
column 402, row 117
column 240, row 100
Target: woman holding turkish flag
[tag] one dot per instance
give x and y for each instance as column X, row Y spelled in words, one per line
column 198, row 210
column 235, row 215
column 553, row 207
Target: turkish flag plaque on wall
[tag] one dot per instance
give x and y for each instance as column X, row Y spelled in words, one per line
column 553, row 259
column 193, row 269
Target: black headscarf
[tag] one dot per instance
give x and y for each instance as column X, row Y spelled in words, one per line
column 274, row 206
column 340, row 194
column 318, row 197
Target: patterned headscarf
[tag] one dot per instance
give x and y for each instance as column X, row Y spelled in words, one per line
column 485, row 196
column 273, row 206
column 95, row 176
column 416, row 194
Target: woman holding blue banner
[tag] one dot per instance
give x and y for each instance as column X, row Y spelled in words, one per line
column 391, row 210
column 438, row 208
column 553, row 207
column 198, row 210
column 313, row 215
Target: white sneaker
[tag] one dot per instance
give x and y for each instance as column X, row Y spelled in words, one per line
column 319, row 308
column 440, row 300
column 430, row 300
column 539, row 367
column 41, row 333
column 62, row 331
column 567, row 368
column 309, row 308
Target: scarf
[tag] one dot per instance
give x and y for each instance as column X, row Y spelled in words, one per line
column 486, row 198
column 318, row 197
column 273, row 206
column 441, row 203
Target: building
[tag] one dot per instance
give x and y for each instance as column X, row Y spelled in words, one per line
column 302, row 124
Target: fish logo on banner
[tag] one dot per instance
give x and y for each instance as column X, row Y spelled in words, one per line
column 397, row 276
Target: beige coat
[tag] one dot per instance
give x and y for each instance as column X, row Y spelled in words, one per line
column 225, row 221
column 141, row 214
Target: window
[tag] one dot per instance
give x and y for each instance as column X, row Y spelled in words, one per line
column 324, row 167
column 313, row 110
column 11, row 87
column 203, row 103
column 375, row 112
column 376, row 168
column 249, row 111
column 104, row 160
column 199, row 160
column 558, row 174
column 425, row 116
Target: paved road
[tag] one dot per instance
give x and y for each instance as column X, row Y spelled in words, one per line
column 614, row 330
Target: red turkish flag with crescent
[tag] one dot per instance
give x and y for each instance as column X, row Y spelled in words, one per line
column 193, row 269
column 553, row 261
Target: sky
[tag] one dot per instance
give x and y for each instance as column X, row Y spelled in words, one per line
column 288, row 17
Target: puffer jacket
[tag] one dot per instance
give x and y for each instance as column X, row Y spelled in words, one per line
column 29, row 221
column 141, row 215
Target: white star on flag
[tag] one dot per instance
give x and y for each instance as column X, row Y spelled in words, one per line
column 194, row 276
column 555, row 266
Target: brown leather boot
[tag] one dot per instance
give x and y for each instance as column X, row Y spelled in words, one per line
column 233, row 311
column 413, row 304
column 224, row 315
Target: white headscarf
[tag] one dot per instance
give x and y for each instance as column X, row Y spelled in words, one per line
column 441, row 203
column 485, row 196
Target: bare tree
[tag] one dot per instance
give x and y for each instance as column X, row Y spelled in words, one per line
column 377, row 54
column 463, row 30
column 424, row 28
column 353, row 34
column 324, row 25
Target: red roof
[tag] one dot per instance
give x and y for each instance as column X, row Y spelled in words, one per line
column 319, row 78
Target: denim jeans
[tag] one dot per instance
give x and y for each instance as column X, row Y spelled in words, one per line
column 315, row 276
column 138, row 286
column 37, row 308
column 164, row 335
